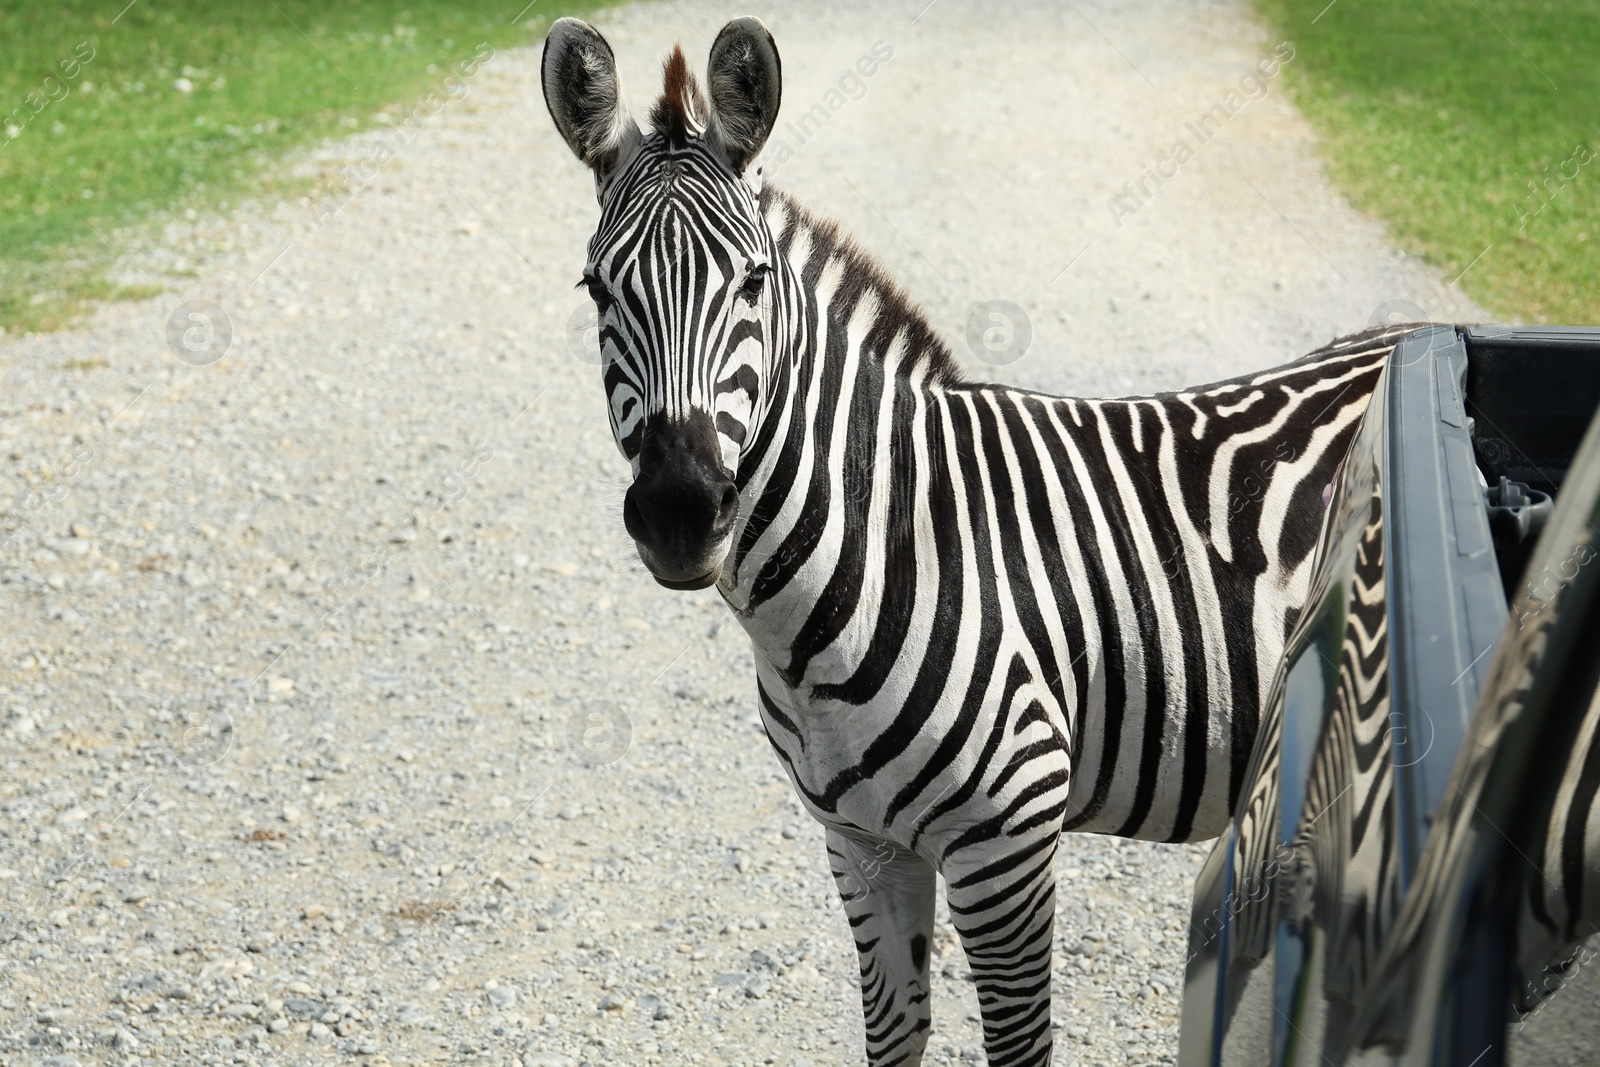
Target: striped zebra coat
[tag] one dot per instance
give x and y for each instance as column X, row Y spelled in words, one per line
column 980, row 616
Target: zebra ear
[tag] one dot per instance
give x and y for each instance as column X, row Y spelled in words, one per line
column 746, row 85
column 584, row 95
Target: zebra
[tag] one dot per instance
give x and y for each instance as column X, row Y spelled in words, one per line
column 980, row 616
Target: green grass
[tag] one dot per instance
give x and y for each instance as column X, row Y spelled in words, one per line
column 98, row 134
column 1464, row 125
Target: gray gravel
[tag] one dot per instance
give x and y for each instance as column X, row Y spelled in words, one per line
column 338, row 721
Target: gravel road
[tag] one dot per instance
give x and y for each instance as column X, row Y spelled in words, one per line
column 338, row 720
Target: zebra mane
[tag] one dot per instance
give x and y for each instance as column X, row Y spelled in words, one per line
column 681, row 111
column 863, row 274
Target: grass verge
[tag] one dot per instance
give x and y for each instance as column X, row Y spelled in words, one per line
column 1472, row 128
column 112, row 117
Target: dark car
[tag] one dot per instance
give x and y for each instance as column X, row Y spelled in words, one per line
column 1413, row 867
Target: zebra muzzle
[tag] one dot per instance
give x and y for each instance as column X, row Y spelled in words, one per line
column 681, row 507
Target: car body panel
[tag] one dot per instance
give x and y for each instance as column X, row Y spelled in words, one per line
column 1326, row 911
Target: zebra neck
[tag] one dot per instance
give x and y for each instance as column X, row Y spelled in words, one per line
column 838, row 456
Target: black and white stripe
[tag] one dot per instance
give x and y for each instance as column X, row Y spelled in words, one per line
column 981, row 616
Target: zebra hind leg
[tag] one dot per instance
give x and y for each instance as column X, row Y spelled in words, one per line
column 888, row 894
column 1003, row 909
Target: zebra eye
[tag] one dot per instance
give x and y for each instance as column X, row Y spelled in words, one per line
column 754, row 281
column 597, row 292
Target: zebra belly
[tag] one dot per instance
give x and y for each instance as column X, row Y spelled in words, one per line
column 934, row 780
column 1151, row 773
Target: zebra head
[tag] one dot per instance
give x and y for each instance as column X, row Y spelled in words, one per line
column 677, row 269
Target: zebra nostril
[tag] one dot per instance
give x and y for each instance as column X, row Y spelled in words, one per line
column 632, row 520
column 727, row 510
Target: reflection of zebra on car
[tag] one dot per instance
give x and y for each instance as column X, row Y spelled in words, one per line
column 1317, row 861
column 1524, row 789
column 981, row 616
column 1561, row 910
column 1411, row 829
column 1561, row 907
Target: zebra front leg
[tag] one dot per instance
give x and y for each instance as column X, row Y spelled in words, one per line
column 1003, row 906
column 888, row 894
